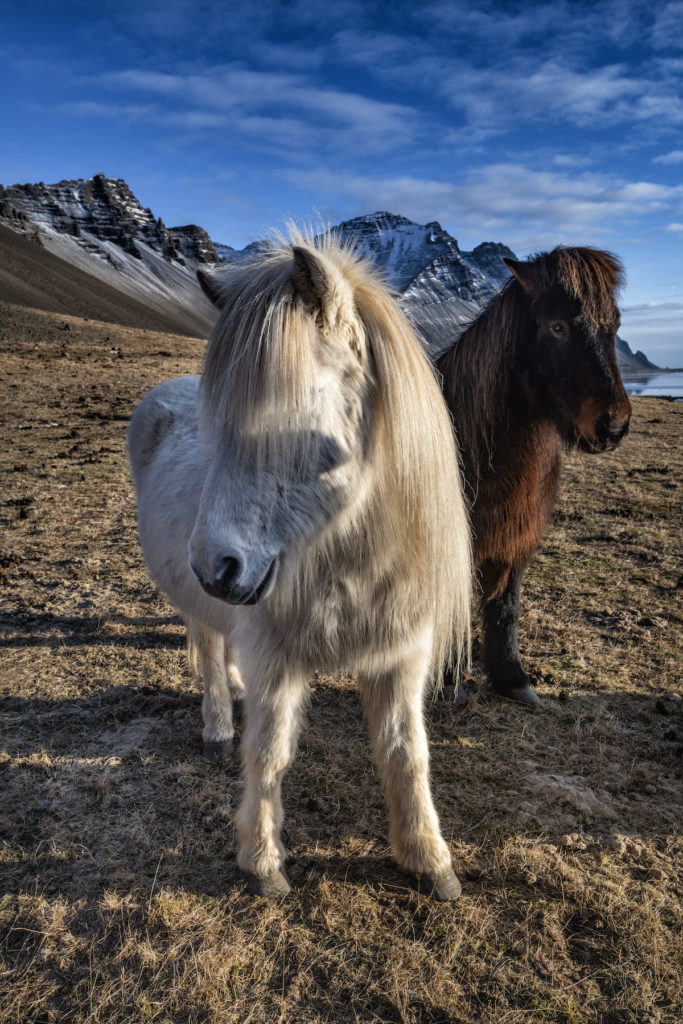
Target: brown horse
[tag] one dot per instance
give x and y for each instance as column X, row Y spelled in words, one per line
column 536, row 372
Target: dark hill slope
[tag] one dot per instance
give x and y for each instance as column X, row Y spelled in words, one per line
column 32, row 276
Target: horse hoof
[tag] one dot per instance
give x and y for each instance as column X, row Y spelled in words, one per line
column 219, row 750
column 444, row 887
column 271, row 887
column 521, row 695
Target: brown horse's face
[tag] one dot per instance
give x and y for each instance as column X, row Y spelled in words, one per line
column 579, row 374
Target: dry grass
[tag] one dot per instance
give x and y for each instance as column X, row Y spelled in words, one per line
column 119, row 897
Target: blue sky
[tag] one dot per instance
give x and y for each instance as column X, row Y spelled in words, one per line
column 525, row 123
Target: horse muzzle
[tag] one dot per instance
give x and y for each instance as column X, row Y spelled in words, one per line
column 228, row 583
column 604, row 432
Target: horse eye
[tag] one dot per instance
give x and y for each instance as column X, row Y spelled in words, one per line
column 330, row 455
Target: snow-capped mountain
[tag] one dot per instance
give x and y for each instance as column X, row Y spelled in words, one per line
column 99, row 225
column 441, row 287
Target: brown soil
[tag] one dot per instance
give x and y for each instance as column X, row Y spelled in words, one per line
column 120, row 900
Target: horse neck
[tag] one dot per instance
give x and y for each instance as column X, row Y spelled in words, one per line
column 497, row 413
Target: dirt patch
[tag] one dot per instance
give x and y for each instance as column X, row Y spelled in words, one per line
column 120, row 899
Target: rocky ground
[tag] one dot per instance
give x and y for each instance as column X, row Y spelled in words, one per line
column 119, row 896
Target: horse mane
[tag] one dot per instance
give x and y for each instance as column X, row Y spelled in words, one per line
column 591, row 276
column 259, row 379
column 482, row 360
column 421, row 448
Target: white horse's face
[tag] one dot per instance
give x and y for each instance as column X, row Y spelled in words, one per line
column 257, row 514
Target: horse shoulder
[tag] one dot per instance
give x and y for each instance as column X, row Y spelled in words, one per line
column 173, row 403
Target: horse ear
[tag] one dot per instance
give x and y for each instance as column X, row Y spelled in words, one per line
column 311, row 278
column 524, row 272
column 210, row 287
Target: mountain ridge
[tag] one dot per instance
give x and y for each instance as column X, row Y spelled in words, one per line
column 98, row 225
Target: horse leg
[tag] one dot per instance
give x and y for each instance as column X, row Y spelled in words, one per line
column 502, row 660
column 268, row 747
column 393, row 705
column 209, row 655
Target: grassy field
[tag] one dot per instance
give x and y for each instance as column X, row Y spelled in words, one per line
column 120, row 900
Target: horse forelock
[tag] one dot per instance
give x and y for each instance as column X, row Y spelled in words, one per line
column 592, row 277
column 260, row 368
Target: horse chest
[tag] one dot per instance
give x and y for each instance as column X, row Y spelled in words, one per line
column 515, row 497
column 348, row 615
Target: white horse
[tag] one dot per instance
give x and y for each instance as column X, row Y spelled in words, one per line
column 301, row 507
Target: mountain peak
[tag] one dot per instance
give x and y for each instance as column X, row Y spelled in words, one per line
column 442, row 287
column 383, row 220
column 100, row 212
column 98, row 225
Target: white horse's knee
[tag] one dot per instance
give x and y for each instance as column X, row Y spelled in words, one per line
column 266, row 762
column 234, row 679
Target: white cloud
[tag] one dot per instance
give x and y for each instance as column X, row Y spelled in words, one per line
column 505, row 97
column 667, row 33
column 318, row 116
column 528, row 209
column 674, row 157
column 501, row 67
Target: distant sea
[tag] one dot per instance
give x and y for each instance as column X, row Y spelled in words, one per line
column 665, row 383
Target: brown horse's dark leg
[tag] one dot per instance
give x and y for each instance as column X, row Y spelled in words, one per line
column 502, row 661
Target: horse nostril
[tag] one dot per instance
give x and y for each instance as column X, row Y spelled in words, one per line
column 228, row 570
column 611, row 428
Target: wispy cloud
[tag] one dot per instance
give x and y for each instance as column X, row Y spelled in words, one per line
column 546, row 27
column 525, row 207
column 501, row 67
column 674, row 157
column 276, row 102
column 666, row 33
